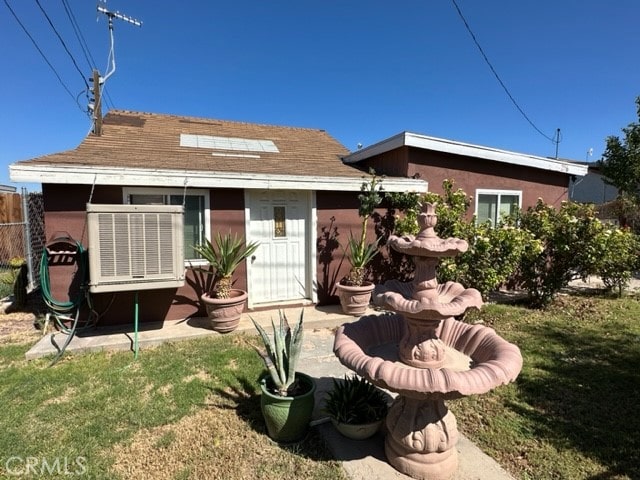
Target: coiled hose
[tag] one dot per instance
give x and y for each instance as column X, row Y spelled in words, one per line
column 64, row 310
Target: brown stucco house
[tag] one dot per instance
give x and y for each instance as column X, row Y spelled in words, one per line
column 291, row 189
column 281, row 186
column 497, row 180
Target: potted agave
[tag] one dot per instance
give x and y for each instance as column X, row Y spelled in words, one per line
column 354, row 290
column 287, row 396
column 225, row 304
column 356, row 407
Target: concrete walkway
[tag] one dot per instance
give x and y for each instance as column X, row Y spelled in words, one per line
column 362, row 459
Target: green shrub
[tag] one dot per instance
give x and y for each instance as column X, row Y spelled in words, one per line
column 493, row 257
column 566, row 248
column 618, row 257
column 493, row 254
column 540, row 250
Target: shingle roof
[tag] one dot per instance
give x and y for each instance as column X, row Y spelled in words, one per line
column 152, row 141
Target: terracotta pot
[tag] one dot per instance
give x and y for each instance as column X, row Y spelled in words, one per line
column 355, row 300
column 224, row 313
column 357, row 431
column 288, row 418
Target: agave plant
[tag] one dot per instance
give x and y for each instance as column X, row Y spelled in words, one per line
column 360, row 254
column 355, row 401
column 280, row 353
column 227, row 254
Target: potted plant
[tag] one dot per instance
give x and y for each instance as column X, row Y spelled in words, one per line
column 287, row 398
column 354, row 291
column 356, row 407
column 225, row 304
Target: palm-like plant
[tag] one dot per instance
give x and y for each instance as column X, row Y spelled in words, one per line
column 360, row 252
column 227, row 254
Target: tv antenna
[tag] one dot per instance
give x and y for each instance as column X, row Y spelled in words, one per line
column 120, row 16
column 98, row 81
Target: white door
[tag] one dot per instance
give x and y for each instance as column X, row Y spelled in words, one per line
column 278, row 271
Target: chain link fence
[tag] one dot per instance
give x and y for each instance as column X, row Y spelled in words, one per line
column 22, row 237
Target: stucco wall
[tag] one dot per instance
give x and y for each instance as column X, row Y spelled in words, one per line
column 65, row 213
column 472, row 173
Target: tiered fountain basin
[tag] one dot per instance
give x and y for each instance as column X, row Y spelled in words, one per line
column 425, row 355
column 421, row 433
column 476, row 358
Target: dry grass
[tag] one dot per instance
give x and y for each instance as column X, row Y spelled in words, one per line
column 18, row 328
column 189, row 410
column 212, row 443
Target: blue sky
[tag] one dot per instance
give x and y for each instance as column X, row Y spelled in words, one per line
column 362, row 70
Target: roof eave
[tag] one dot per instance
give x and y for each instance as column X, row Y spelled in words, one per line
column 407, row 139
column 87, row 175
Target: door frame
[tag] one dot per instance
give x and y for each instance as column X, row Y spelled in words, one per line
column 310, row 254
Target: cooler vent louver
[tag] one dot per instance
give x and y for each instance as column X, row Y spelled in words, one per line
column 135, row 247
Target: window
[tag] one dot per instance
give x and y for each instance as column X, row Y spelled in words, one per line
column 196, row 211
column 492, row 205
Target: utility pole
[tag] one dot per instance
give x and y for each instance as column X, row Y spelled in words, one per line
column 99, row 81
column 97, row 104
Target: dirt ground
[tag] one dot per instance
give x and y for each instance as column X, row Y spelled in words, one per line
column 22, row 325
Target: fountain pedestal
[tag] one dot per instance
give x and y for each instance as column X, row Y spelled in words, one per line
column 426, row 356
column 421, row 438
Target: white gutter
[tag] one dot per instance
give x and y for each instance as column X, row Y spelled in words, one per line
column 88, row 175
column 407, row 139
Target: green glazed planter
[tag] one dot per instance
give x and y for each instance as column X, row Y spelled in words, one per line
column 287, row 418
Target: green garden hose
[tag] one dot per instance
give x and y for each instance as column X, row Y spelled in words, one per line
column 57, row 306
column 64, row 310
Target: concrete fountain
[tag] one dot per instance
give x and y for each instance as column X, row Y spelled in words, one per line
column 426, row 356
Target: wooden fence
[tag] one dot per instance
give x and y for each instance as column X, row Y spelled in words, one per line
column 11, row 227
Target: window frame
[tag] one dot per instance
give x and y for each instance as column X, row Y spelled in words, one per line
column 499, row 193
column 166, row 191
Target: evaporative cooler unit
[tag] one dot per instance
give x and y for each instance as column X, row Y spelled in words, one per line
column 135, row 247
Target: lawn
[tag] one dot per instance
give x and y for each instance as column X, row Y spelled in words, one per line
column 181, row 411
column 191, row 410
column 574, row 412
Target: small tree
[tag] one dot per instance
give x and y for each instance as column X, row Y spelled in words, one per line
column 361, row 252
column 620, row 164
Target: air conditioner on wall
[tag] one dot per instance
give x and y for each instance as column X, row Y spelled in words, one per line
column 135, row 247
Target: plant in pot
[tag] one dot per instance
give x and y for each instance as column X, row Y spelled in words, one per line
column 356, row 407
column 287, row 396
column 354, row 290
column 225, row 304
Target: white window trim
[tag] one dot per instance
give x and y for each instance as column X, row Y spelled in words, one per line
column 488, row 191
column 127, row 191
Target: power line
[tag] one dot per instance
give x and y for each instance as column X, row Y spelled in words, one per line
column 83, row 43
column 79, row 36
column 486, row 59
column 109, row 102
column 44, row 56
column 63, row 43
